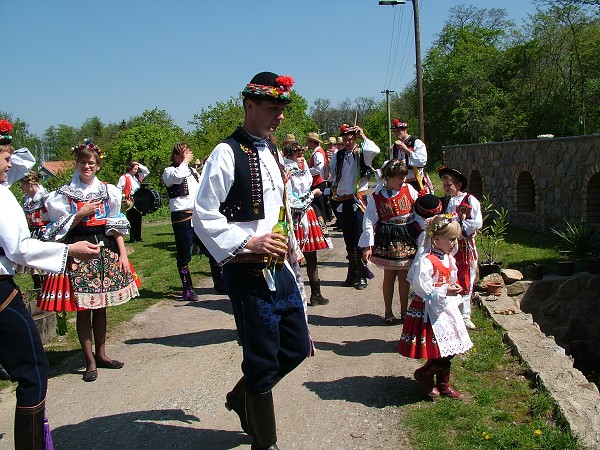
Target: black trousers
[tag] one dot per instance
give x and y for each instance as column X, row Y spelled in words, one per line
column 271, row 325
column 135, row 219
column 185, row 237
column 352, row 221
column 21, row 352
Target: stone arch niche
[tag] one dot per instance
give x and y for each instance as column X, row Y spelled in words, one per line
column 525, row 193
column 475, row 187
column 591, row 195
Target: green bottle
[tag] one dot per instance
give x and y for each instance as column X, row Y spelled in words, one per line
column 61, row 323
column 281, row 227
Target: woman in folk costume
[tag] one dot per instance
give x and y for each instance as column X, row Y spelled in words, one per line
column 434, row 329
column 130, row 182
column 87, row 209
column 21, row 350
column 388, row 238
column 36, row 214
column 309, row 228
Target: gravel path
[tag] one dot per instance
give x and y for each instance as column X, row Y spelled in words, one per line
column 182, row 358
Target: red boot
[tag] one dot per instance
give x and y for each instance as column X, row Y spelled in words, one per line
column 443, row 384
column 424, row 375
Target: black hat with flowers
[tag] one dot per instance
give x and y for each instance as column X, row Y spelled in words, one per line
column 397, row 123
column 454, row 173
column 347, row 129
column 5, row 132
column 270, row 86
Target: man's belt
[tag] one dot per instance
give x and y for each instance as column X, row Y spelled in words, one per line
column 248, row 258
column 343, row 198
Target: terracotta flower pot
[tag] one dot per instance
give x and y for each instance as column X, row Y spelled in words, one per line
column 494, row 288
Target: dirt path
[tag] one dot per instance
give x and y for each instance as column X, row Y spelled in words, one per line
column 181, row 359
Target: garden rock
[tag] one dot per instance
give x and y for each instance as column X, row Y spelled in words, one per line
column 511, row 275
column 515, row 289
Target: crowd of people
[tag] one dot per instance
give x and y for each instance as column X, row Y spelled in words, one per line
column 72, row 240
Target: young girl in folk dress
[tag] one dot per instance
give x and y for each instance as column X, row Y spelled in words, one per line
column 37, row 216
column 434, row 329
column 309, row 229
column 388, row 238
column 88, row 209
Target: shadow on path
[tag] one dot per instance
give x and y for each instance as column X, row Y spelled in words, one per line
column 358, row 348
column 145, row 429
column 374, row 392
column 361, row 320
column 199, row 338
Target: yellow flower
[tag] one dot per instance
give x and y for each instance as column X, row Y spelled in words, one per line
column 487, row 436
column 538, row 432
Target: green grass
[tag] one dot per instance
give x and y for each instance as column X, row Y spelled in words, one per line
column 501, row 408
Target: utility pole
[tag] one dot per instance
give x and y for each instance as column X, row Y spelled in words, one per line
column 387, row 93
column 418, row 60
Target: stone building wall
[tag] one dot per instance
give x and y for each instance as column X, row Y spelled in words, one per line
column 542, row 182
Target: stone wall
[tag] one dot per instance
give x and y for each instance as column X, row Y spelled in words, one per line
column 541, row 182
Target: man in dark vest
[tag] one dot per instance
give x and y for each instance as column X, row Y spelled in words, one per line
column 349, row 171
column 409, row 149
column 240, row 194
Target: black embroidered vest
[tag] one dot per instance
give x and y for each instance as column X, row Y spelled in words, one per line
column 365, row 171
column 244, row 202
column 410, row 143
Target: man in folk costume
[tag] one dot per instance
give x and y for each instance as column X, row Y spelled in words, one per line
column 129, row 183
column 182, row 185
column 316, row 163
column 349, row 171
column 240, row 194
column 411, row 150
column 21, row 351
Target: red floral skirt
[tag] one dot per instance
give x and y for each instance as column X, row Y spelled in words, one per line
column 417, row 340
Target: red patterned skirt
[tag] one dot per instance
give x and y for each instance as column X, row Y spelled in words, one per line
column 315, row 238
column 417, row 340
column 92, row 284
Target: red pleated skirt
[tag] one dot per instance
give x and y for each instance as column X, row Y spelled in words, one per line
column 417, row 340
column 315, row 239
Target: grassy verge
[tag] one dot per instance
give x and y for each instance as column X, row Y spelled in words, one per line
column 501, row 409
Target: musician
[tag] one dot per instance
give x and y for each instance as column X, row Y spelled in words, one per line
column 129, row 183
column 409, row 148
column 182, row 184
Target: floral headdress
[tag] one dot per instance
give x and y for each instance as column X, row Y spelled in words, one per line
column 5, row 130
column 447, row 220
column 347, row 129
column 87, row 144
column 263, row 86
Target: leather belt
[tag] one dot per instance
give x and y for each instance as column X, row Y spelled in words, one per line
column 343, row 198
column 248, row 258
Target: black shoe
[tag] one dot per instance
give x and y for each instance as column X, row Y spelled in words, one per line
column 131, row 241
column 360, row 284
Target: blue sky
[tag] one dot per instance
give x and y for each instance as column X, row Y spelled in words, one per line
column 68, row 60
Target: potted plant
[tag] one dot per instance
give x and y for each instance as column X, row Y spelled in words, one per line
column 577, row 240
column 492, row 233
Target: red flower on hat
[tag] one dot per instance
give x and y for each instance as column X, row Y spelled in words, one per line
column 396, row 122
column 5, row 126
column 423, row 192
column 284, row 82
column 344, row 128
column 442, row 167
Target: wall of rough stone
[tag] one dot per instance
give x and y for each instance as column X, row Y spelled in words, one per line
column 564, row 174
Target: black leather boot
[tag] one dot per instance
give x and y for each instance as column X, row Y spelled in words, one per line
column 351, row 275
column 315, row 294
column 186, row 280
column 29, row 427
column 236, row 401
column 261, row 421
column 361, row 272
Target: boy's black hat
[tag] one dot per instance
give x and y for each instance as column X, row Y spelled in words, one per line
column 428, row 205
column 455, row 173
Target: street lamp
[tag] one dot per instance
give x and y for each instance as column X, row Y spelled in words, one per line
column 418, row 60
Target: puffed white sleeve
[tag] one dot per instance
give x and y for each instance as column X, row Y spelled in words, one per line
column 17, row 243
column 116, row 222
column 370, row 218
column 61, row 215
column 423, row 285
column 144, row 171
column 418, row 157
column 370, row 151
column 470, row 226
column 222, row 239
column 121, row 182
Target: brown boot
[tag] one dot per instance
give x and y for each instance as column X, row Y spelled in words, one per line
column 443, row 383
column 424, row 375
